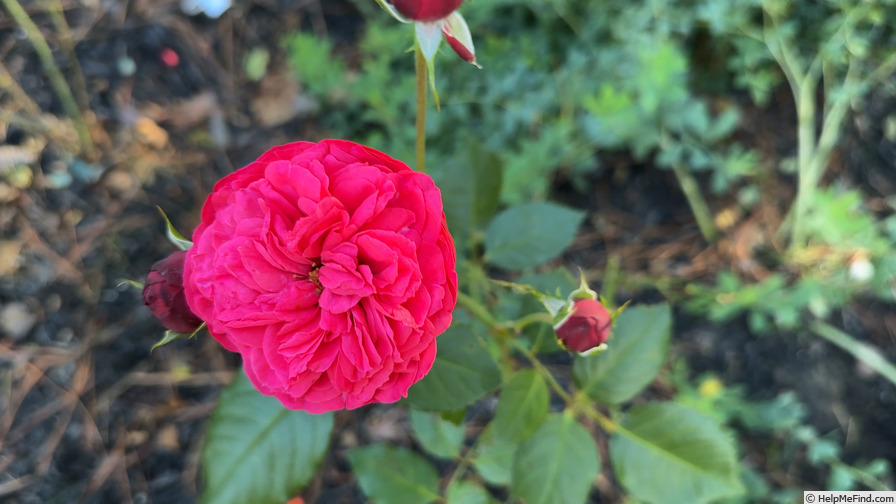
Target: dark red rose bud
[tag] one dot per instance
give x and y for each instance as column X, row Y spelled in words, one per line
column 587, row 327
column 164, row 294
column 426, row 10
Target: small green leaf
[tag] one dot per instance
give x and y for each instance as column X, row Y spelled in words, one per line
column 493, row 457
column 258, row 451
column 487, row 181
column 523, row 406
column 394, row 475
column 467, row 492
column 634, row 355
column 557, row 464
column 471, row 187
column 527, row 235
column 322, row 73
column 697, row 460
column 257, row 63
column 438, row 436
column 463, row 372
column 173, row 236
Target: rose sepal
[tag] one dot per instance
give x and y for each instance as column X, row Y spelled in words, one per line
column 173, row 235
column 429, row 37
column 174, row 335
column 393, row 12
column 458, row 36
column 132, row 283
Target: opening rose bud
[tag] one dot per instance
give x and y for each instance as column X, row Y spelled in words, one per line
column 587, row 327
column 164, row 294
column 426, row 10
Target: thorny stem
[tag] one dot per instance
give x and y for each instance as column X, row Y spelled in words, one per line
column 420, row 71
column 57, row 81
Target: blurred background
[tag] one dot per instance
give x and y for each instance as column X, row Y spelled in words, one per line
column 735, row 157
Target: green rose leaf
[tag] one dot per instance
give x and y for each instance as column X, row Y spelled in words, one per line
column 530, row 234
column 523, row 406
column 470, row 191
column 493, row 457
column 697, row 460
column 438, row 436
column 634, row 354
column 463, row 372
column 394, row 475
column 258, row 451
column 557, row 464
column 467, row 492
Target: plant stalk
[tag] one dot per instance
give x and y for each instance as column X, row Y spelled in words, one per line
column 56, row 11
column 698, row 204
column 864, row 352
column 420, row 71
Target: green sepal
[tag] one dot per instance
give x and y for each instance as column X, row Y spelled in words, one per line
column 393, row 12
column 429, row 36
column 172, row 335
column 132, row 283
column 173, row 236
column 583, row 291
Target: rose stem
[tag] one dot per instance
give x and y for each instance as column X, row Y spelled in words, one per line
column 420, row 70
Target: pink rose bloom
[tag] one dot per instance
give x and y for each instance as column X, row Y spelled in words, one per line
column 330, row 268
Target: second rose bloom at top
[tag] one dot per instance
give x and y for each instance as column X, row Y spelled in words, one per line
column 330, row 268
column 426, row 10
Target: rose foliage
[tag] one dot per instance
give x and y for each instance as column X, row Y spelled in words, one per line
column 330, row 268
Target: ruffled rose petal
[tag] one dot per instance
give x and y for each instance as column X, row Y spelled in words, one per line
column 330, row 268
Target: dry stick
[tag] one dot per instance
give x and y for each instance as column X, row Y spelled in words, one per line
column 21, row 98
column 57, row 81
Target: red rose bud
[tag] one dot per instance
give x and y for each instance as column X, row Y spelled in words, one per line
column 164, row 294
column 426, row 10
column 587, row 326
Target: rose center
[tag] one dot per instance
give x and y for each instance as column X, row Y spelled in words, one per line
column 314, row 276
